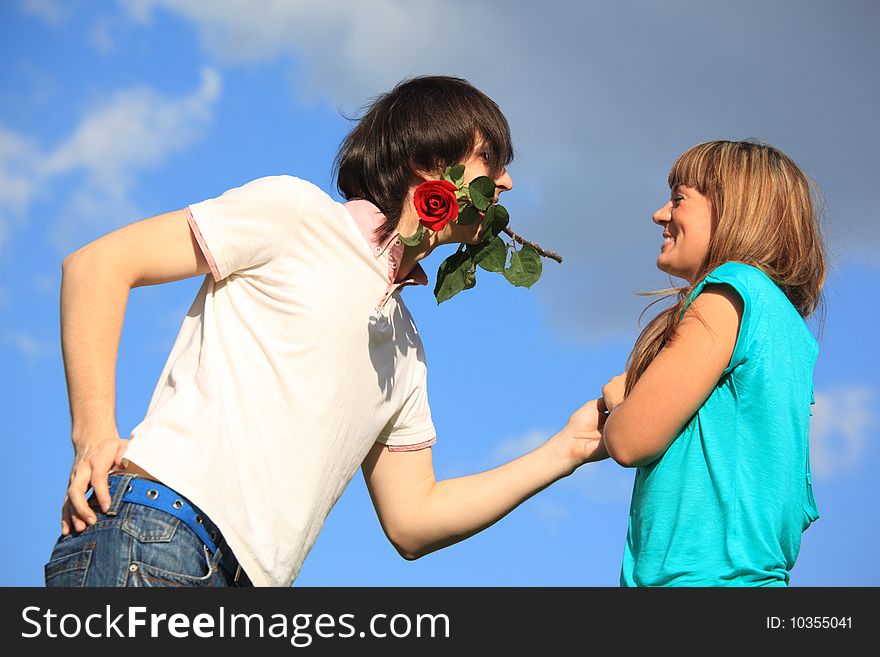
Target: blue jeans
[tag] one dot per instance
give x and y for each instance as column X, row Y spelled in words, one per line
column 134, row 545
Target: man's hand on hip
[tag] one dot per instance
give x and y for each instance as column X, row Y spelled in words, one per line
column 91, row 466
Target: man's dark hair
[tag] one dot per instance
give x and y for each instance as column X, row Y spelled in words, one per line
column 423, row 124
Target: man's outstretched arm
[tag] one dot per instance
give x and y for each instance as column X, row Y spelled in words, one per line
column 420, row 515
column 96, row 280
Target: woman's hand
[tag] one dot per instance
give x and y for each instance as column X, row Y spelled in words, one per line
column 613, row 392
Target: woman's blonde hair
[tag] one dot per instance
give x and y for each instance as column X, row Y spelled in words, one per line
column 765, row 213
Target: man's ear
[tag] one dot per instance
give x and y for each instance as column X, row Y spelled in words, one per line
column 419, row 176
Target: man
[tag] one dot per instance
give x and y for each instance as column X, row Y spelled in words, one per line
column 297, row 364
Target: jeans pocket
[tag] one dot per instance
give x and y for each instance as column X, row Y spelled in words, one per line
column 146, row 572
column 165, row 552
column 69, row 563
column 148, row 525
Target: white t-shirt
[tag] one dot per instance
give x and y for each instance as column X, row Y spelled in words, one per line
column 296, row 356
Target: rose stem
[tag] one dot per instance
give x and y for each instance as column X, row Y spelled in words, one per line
column 547, row 254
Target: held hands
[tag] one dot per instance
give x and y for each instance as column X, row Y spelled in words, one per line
column 613, row 392
column 91, row 466
column 581, row 438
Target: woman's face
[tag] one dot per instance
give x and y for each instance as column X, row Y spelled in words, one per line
column 686, row 220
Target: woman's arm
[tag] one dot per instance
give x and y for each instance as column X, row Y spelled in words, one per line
column 95, row 284
column 420, row 515
column 678, row 381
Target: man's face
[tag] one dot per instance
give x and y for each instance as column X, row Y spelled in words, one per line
column 475, row 166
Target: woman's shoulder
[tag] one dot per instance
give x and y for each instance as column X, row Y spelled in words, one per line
column 765, row 303
column 739, row 272
column 751, row 283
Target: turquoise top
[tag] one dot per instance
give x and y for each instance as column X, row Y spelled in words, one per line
column 727, row 502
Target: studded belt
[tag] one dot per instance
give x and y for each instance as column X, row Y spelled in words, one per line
column 157, row 496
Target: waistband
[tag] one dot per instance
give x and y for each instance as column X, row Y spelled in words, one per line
column 137, row 490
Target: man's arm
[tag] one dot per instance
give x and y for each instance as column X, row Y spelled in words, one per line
column 420, row 515
column 96, row 280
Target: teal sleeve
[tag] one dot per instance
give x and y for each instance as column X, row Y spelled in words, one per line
column 741, row 278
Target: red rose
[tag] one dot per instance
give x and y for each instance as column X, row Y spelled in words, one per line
column 436, row 204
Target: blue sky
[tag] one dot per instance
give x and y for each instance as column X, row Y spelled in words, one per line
column 111, row 112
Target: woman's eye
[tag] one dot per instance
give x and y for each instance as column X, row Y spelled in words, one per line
column 485, row 156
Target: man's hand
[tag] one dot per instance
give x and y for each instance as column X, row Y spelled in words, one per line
column 95, row 283
column 581, row 438
column 91, row 466
column 613, row 392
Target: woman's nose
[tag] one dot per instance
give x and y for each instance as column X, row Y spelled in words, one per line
column 663, row 215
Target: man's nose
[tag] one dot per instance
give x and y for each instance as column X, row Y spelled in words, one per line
column 663, row 215
column 504, row 182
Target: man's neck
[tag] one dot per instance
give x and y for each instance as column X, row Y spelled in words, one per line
column 412, row 255
column 408, row 225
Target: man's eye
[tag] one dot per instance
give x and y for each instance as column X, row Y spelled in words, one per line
column 485, row 156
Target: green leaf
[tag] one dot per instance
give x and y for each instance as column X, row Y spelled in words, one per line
column 491, row 256
column 485, row 185
column 482, row 192
column 471, row 278
column 502, row 218
column 467, row 215
column 525, row 267
column 532, row 263
column 453, row 275
column 454, row 174
column 494, row 221
column 416, row 238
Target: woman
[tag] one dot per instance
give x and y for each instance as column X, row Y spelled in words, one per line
column 715, row 403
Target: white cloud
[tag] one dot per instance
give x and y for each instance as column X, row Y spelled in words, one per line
column 94, row 209
column 18, row 178
column 601, row 482
column 551, row 514
column 597, row 111
column 247, row 30
column 47, row 283
column 31, row 87
column 28, row 346
column 604, row 482
column 52, row 12
column 511, row 448
column 128, row 132
column 353, row 49
column 139, row 11
column 135, row 129
column 839, row 429
column 101, row 37
column 843, row 419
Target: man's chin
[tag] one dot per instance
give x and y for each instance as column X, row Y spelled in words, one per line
column 477, row 236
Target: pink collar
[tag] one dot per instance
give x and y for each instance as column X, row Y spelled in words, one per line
column 368, row 217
